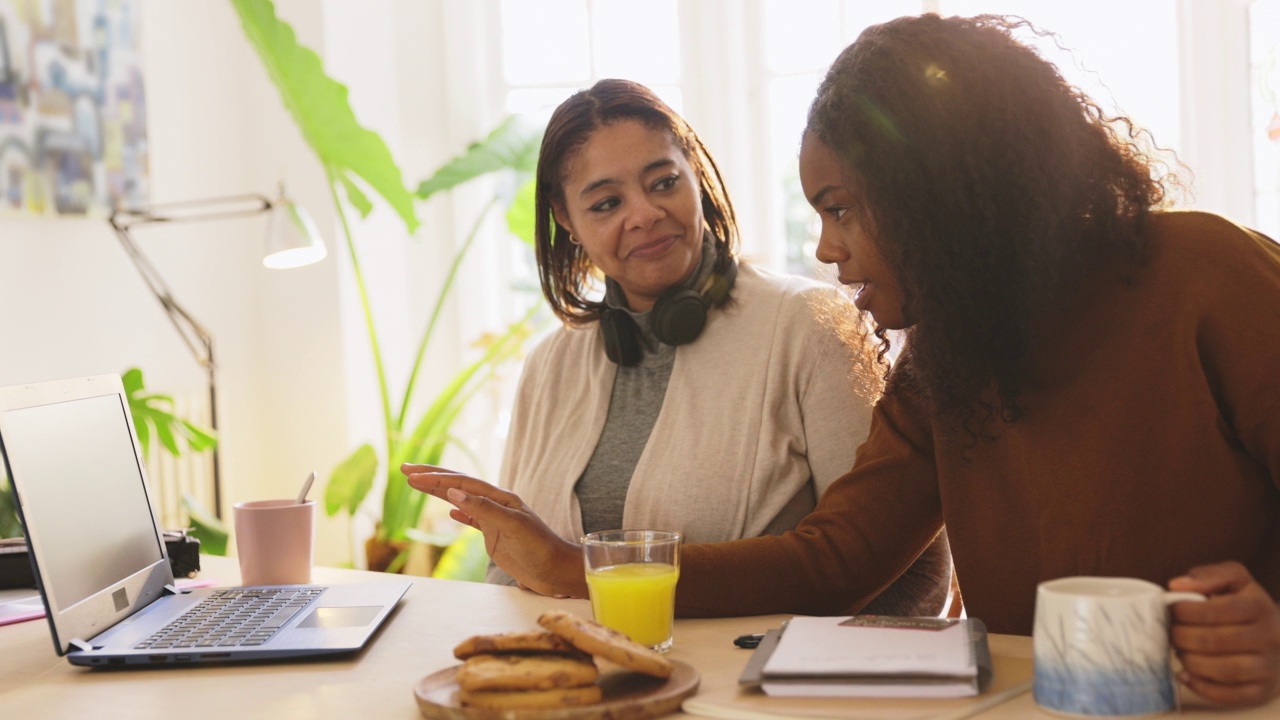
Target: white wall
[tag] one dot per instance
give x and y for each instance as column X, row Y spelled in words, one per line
column 74, row 305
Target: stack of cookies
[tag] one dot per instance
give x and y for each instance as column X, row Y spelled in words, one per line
column 550, row 669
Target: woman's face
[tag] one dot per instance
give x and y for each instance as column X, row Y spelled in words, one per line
column 845, row 241
column 631, row 199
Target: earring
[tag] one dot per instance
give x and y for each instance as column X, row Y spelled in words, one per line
column 574, row 240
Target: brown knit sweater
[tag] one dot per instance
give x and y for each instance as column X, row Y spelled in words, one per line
column 1150, row 444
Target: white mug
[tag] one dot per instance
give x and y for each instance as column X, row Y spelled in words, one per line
column 1102, row 647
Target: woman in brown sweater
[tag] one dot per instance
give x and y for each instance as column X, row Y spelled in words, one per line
column 1088, row 385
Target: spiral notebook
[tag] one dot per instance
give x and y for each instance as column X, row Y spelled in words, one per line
column 872, row 656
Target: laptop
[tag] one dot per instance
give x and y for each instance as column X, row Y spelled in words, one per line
column 100, row 563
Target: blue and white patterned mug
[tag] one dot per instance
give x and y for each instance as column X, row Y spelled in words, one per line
column 1102, row 647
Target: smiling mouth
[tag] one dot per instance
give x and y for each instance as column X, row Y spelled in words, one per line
column 653, row 249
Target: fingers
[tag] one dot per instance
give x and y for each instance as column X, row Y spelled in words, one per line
column 1241, row 669
column 463, row 518
column 1216, row 579
column 1229, row 645
column 1229, row 695
column 438, row 481
column 1210, row 639
column 1194, row 620
column 478, row 510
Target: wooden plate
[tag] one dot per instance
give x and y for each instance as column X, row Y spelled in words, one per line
column 627, row 696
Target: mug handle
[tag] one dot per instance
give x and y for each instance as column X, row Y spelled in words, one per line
column 1175, row 597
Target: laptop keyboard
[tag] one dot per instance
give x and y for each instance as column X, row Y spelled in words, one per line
column 233, row 617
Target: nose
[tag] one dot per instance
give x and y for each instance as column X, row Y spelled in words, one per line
column 644, row 213
column 829, row 251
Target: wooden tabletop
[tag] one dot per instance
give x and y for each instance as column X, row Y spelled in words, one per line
column 418, row 640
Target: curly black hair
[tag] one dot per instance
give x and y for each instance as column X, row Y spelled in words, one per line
column 993, row 185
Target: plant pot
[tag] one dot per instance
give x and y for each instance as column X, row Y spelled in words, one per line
column 379, row 554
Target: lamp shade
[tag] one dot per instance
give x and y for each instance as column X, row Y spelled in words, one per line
column 292, row 238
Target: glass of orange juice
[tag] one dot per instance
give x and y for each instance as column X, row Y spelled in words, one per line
column 632, row 575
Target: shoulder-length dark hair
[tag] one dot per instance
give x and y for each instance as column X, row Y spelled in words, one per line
column 992, row 185
column 563, row 267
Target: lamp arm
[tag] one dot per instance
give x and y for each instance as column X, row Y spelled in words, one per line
column 196, row 336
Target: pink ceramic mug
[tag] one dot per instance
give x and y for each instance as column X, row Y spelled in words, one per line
column 274, row 541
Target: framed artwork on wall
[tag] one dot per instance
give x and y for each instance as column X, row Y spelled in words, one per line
column 73, row 137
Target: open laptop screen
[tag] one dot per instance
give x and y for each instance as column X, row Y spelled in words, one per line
column 102, row 532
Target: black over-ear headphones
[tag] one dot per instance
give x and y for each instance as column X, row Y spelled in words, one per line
column 677, row 317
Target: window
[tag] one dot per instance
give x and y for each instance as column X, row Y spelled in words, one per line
column 1264, row 31
column 744, row 73
column 797, row 52
column 553, row 48
column 1106, row 60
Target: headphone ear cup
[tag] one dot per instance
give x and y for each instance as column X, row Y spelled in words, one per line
column 678, row 316
column 621, row 337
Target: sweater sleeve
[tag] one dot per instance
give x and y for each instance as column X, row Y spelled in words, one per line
column 1239, row 337
column 868, row 527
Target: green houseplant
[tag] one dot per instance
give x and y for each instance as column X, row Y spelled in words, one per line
column 347, row 152
column 9, row 525
column 154, row 417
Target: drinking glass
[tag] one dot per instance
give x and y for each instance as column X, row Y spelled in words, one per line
column 631, row 575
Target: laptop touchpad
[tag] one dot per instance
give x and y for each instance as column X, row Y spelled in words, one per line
column 336, row 617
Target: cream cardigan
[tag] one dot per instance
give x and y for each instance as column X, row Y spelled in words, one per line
column 760, row 416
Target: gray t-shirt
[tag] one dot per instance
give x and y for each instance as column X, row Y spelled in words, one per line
column 638, row 392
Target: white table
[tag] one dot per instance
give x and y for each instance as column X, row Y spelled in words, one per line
column 416, row 640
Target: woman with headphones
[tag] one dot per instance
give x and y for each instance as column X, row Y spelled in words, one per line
column 699, row 394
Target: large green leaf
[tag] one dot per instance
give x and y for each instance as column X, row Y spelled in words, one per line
column 9, row 524
column 319, row 106
column 402, row 506
column 206, row 528
column 132, row 380
column 513, row 145
column 143, row 431
column 351, row 480
column 153, row 417
column 522, row 213
column 164, row 430
column 198, row 439
column 464, row 559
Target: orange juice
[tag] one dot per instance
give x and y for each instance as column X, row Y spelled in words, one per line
column 638, row 599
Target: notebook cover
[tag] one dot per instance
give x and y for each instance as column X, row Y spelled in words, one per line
column 902, row 683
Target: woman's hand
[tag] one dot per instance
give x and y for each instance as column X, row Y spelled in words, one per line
column 1230, row 644
column 516, row 538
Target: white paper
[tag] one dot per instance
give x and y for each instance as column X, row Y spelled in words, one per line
column 821, row 646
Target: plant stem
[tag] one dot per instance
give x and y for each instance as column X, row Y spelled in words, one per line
column 435, row 312
column 392, row 431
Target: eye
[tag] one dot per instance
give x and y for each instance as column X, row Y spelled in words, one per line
column 666, row 183
column 604, row 205
column 837, row 211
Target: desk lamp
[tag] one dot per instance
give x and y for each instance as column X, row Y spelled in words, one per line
column 292, row 241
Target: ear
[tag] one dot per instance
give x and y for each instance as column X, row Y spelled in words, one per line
column 561, row 216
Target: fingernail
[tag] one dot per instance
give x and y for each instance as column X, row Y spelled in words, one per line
column 456, row 496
